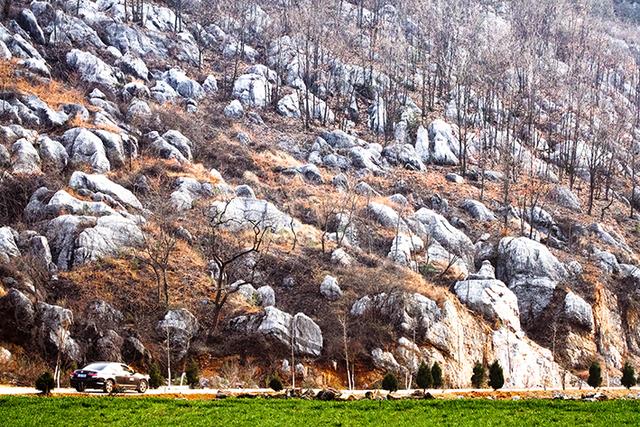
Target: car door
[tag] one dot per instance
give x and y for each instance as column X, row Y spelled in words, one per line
column 121, row 376
column 128, row 378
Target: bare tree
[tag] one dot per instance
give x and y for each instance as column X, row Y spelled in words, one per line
column 226, row 242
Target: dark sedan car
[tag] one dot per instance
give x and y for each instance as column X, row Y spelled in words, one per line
column 108, row 376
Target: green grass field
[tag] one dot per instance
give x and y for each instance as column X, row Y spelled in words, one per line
column 114, row 411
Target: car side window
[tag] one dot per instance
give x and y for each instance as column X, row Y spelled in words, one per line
column 126, row 369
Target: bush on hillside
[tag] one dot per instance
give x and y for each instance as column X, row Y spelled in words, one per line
column 275, row 383
column 595, row 375
column 193, row 374
column 390, row 382
column 478, row 377
column 423, row 378
column 45, row 383
column 436, row 374
column 496, row 376
column 155, row 377
column 628, row 375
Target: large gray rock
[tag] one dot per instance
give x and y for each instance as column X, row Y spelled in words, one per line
column 139, row 110
column 101, row 184
column 492, row 298
column 430, row 224
column 163, row 92
column 75, row 240
column 133, row 66
column 294, row 105
column 103, row 315
column 85, row 148
column 280, row 326
column 234, row 110
column 478, row 210
column 172, row 145
column 8, row 246
column 266, row 296
column 108, row 346
column 19, row 315
column 53, row 153
column 91, row 68
column 531, row 272
column 403, row 155
column 25, row 158
column 578, row 311
column 179, row 327
column 439, row 145
column 108, row 237
column 240, row 212
column 253, row 90
column 63, row 202
column 565, row 198
column 523, row 257
column 53, row 331
column 330, row 289
column 183, row 85
column 29, row 23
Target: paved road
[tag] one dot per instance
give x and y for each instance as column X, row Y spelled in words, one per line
column 8, row 390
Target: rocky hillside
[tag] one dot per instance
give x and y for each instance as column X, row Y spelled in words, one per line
column 330, row 190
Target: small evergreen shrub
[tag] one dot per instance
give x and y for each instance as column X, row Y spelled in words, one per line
column 193, row 374
column 628, row 375
column 436, row 374
column 478, row 377
column 45, row 383
column 496, row 376
column 423, row 378
column 390, row 382
column 155, row 377
column 275, row 384
column 595, row 375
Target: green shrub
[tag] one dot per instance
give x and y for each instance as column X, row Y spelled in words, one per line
column 275, row 384
column 193, row 374
column 496, row 376
column 628, row 375
column 436, row 374
column 424, row 378
column 390, row 382
column 155, row 377
column 45, row 383
column 595, row 375
column 478, row 377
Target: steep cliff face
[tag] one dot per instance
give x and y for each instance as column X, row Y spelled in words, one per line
column 245, row 180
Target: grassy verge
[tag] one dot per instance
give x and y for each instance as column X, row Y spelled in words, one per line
column 114, row 411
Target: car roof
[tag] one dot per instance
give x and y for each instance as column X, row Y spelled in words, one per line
column 110, row 364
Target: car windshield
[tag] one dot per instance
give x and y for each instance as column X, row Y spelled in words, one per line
column 95, row 367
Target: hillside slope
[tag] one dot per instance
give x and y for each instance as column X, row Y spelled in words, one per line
column 357, row 187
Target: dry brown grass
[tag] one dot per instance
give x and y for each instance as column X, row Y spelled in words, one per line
column 54, row 93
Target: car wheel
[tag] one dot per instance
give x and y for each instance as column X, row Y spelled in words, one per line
column 109, row 386
column 80, row 388
column 143, row 386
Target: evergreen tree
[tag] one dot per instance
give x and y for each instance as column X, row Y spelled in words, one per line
column 628, row 375
column 424, row 379
column 496, row 376
column 436, row 374
column 193, row 374
column 478, row 377
column 155, row 377
column 45, row 383
column 390, row 382
column 275, row 384
column 595, row 375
